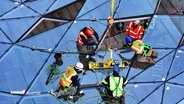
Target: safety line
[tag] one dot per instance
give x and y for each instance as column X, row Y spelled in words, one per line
column 3, row 19
column 112, row 8
column 66, row 45
column 143, row 82
column 177, row 84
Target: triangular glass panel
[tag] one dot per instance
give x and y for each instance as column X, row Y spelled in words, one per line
column 162, row 33
column 9, row 6
column 181, row 101
column 178, row 21
column 139, row 93
column 177, row 67
column 4, row 37
column 158, row 72
column 18, row 0
column 19, row 67
column 41, row 26
column 182, row 41
column 90, row 12
column 171, row 7
column 21, row 11
column 49, row 38
column 4, row 48
column 126, row 7
column 9, row 99
column 154, row 97
column 68, row 12
column 41, row 6
column 171, row 90
column 25, row 1
column 12, row 27
column 41, row 99
column 177, row 79
column 57, row 4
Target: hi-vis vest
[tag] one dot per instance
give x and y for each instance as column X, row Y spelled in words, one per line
column 134, row 33
column 116, row 89
column 79, row 37
column 115, row 85
column 141, row 48
column 65, row 79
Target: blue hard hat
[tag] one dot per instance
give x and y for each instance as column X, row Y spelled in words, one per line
column 129, row 39
column 116, row 68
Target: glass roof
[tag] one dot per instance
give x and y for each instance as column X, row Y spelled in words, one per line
column 27, row 23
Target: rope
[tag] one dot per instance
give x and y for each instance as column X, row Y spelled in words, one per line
column 112, row 7
column 110, row 22
column 52, row 73
column 71, row 50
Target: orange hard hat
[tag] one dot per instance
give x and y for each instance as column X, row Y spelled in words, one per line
column 89, row 31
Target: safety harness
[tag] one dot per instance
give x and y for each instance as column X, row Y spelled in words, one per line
column 64, row 77
column 146, row 48
column 117, row 87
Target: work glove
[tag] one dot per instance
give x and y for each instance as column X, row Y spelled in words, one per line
column 98, row 83
column 110, row 20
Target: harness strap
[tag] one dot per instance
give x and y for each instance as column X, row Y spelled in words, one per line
column 117, row 85
column 145, row 49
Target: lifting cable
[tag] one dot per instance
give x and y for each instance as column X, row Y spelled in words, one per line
column 110, row 22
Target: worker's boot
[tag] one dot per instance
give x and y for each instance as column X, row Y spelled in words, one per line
column 154, row 54
column 81, row 93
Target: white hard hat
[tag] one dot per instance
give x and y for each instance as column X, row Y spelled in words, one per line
column 79, row 66
column 137, row 21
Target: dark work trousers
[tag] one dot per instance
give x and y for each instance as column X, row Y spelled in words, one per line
column 61, row 93
column 84, row 59
column 136, row 62
column 109, row 99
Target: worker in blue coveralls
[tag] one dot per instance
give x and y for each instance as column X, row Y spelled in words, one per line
column 114, row 86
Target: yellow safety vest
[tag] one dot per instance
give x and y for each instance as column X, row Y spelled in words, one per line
column 65, row 79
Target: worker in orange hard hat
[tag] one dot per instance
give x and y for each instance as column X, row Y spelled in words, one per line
column 86, row 39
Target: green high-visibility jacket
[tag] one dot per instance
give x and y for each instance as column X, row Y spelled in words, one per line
column 115, row 85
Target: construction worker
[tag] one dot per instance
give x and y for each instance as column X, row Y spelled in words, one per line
column 135, row 61
column 134, row 29
column 69, row 84
column 114, row 86
column 87, row 38
column 145, row 24
column 144, row 51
